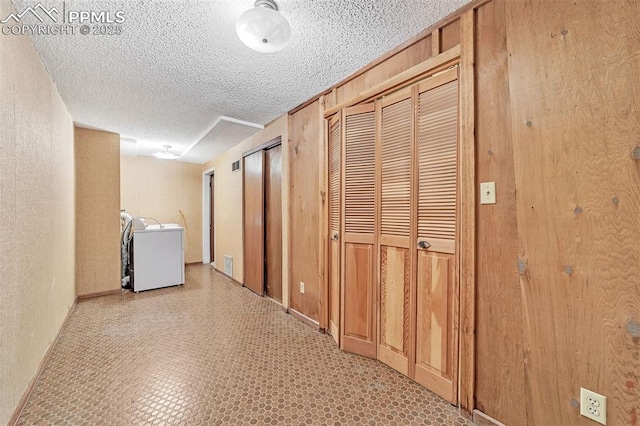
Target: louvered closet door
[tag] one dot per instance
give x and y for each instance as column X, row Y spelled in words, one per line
column 436, row 350
column 358, row 307
column 395, row 229
column 334, row 134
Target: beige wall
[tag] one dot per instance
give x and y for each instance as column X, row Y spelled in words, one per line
column 169, row 191
column 97, row 156
column 37, row 215
column 228, row 200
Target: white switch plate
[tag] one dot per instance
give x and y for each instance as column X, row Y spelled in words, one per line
column 593, row 406
column 488, row 193
column 301, row 287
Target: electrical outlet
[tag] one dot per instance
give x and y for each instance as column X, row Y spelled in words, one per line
column 301, row 287
column 593, row 406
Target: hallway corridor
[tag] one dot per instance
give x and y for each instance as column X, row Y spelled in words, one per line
column 212, row 352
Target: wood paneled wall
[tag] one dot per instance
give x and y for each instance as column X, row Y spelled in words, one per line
column 398, row 60
column 500, row 388
column 306, row 129
column 305, row 133
column 558, row 272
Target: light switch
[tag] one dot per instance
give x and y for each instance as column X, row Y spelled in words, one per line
column 487, row 193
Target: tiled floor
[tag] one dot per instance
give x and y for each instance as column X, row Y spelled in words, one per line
column 211, row 352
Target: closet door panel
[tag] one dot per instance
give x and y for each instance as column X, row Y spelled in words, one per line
column 334, row 199
column 436, row 348
column 434, row 336
column 394, row 307
column 396, row 139
column 359, row 230
column 253, row 210
column 358, row 315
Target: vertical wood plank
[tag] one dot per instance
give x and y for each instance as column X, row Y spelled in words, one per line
column 450, row 34
column 304, row 211
column 435, row 42
column 467, row 211
column 499, row 386
column 323, row 299
column 574, row 120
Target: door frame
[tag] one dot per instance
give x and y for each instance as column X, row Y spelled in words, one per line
column 206, row 214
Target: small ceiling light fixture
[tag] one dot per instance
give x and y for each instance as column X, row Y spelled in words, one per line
column 263, row 28
column 165, row 155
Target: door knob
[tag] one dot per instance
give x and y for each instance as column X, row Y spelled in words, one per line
column 424, row 244
column 335, row 237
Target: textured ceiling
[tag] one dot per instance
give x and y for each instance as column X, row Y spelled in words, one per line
column 224, row 135
column 178, row 65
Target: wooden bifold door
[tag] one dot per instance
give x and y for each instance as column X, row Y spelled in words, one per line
column 436, row 180
column 394, row 246
column 335, row 220
column 358, row 230
column 397, row 206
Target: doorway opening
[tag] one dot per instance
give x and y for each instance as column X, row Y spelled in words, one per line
column 212, row 240
column 208, row 215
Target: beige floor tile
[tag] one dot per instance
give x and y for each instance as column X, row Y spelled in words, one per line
column 211, row 352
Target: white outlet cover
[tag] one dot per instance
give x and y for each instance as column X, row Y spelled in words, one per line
column 487, row 193
column 593, row 406
column 301, row 287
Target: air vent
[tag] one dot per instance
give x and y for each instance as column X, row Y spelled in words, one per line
column 235, row 166
column 228, row 265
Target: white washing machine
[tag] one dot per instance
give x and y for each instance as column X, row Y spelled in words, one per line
column 158, row 257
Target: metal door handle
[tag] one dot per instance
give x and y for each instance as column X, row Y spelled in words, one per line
column 424, row 244
column 335, row 237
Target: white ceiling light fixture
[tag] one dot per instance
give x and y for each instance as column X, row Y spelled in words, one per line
column 263, row 28
column 166, row 155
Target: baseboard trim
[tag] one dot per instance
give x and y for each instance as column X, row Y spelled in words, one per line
column 228, row 276
column 305, row 319
column 279, row 304
column 99, row 294
column 27, row 393
column 481, row 419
